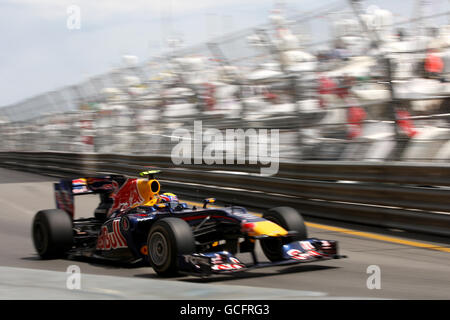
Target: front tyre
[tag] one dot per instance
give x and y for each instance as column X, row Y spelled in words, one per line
column 289, row 219
column 168, row 238
column 52, row 233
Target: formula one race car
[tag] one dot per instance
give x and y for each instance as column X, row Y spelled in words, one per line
column 134, row 222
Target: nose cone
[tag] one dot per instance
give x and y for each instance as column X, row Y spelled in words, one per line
column 267, row 228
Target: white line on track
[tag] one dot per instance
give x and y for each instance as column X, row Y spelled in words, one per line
column 21, row 283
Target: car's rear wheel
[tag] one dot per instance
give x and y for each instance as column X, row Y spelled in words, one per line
column 168, row 238
column 52, row 233
column 289, row 219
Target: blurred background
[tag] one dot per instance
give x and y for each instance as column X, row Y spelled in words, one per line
column 341, row 80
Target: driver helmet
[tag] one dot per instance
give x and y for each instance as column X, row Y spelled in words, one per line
column 170, row 198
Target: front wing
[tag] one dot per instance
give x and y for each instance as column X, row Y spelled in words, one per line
column 223, row 262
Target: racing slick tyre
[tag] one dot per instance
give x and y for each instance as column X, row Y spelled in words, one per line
column 290, row 220
column 168, row 238
column 52, row 233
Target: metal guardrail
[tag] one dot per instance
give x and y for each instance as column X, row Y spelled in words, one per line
column 409, row 196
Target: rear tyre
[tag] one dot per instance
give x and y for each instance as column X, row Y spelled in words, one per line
column 168, row 238
column 52, row 233
column 289, row 219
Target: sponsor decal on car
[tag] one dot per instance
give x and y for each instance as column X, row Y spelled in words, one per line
column 111, row 240
column 126, row 196
column 64, row 201
column 298, row 255
column 227, row 266
column 217, row 259
column 79, row 186
column 306, row 245
column 326, row 244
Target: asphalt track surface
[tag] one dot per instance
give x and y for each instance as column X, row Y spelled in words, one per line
column 407, row 270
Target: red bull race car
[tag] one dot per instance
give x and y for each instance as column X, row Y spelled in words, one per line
column 135, row 223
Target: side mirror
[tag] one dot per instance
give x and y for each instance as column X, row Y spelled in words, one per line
column 208, row 200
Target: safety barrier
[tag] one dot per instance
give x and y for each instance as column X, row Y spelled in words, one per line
column 408, row 196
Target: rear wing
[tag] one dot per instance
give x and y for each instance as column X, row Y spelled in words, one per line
column 66, row 189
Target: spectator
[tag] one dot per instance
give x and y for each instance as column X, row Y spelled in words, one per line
column 433, row 64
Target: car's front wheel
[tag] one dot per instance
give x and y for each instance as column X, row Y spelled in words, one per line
column 289, row 219
column 168, row 238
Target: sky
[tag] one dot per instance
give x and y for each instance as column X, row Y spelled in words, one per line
column 39, row 53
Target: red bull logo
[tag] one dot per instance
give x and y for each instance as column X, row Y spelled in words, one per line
column 111, row 240
column 127, row 196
